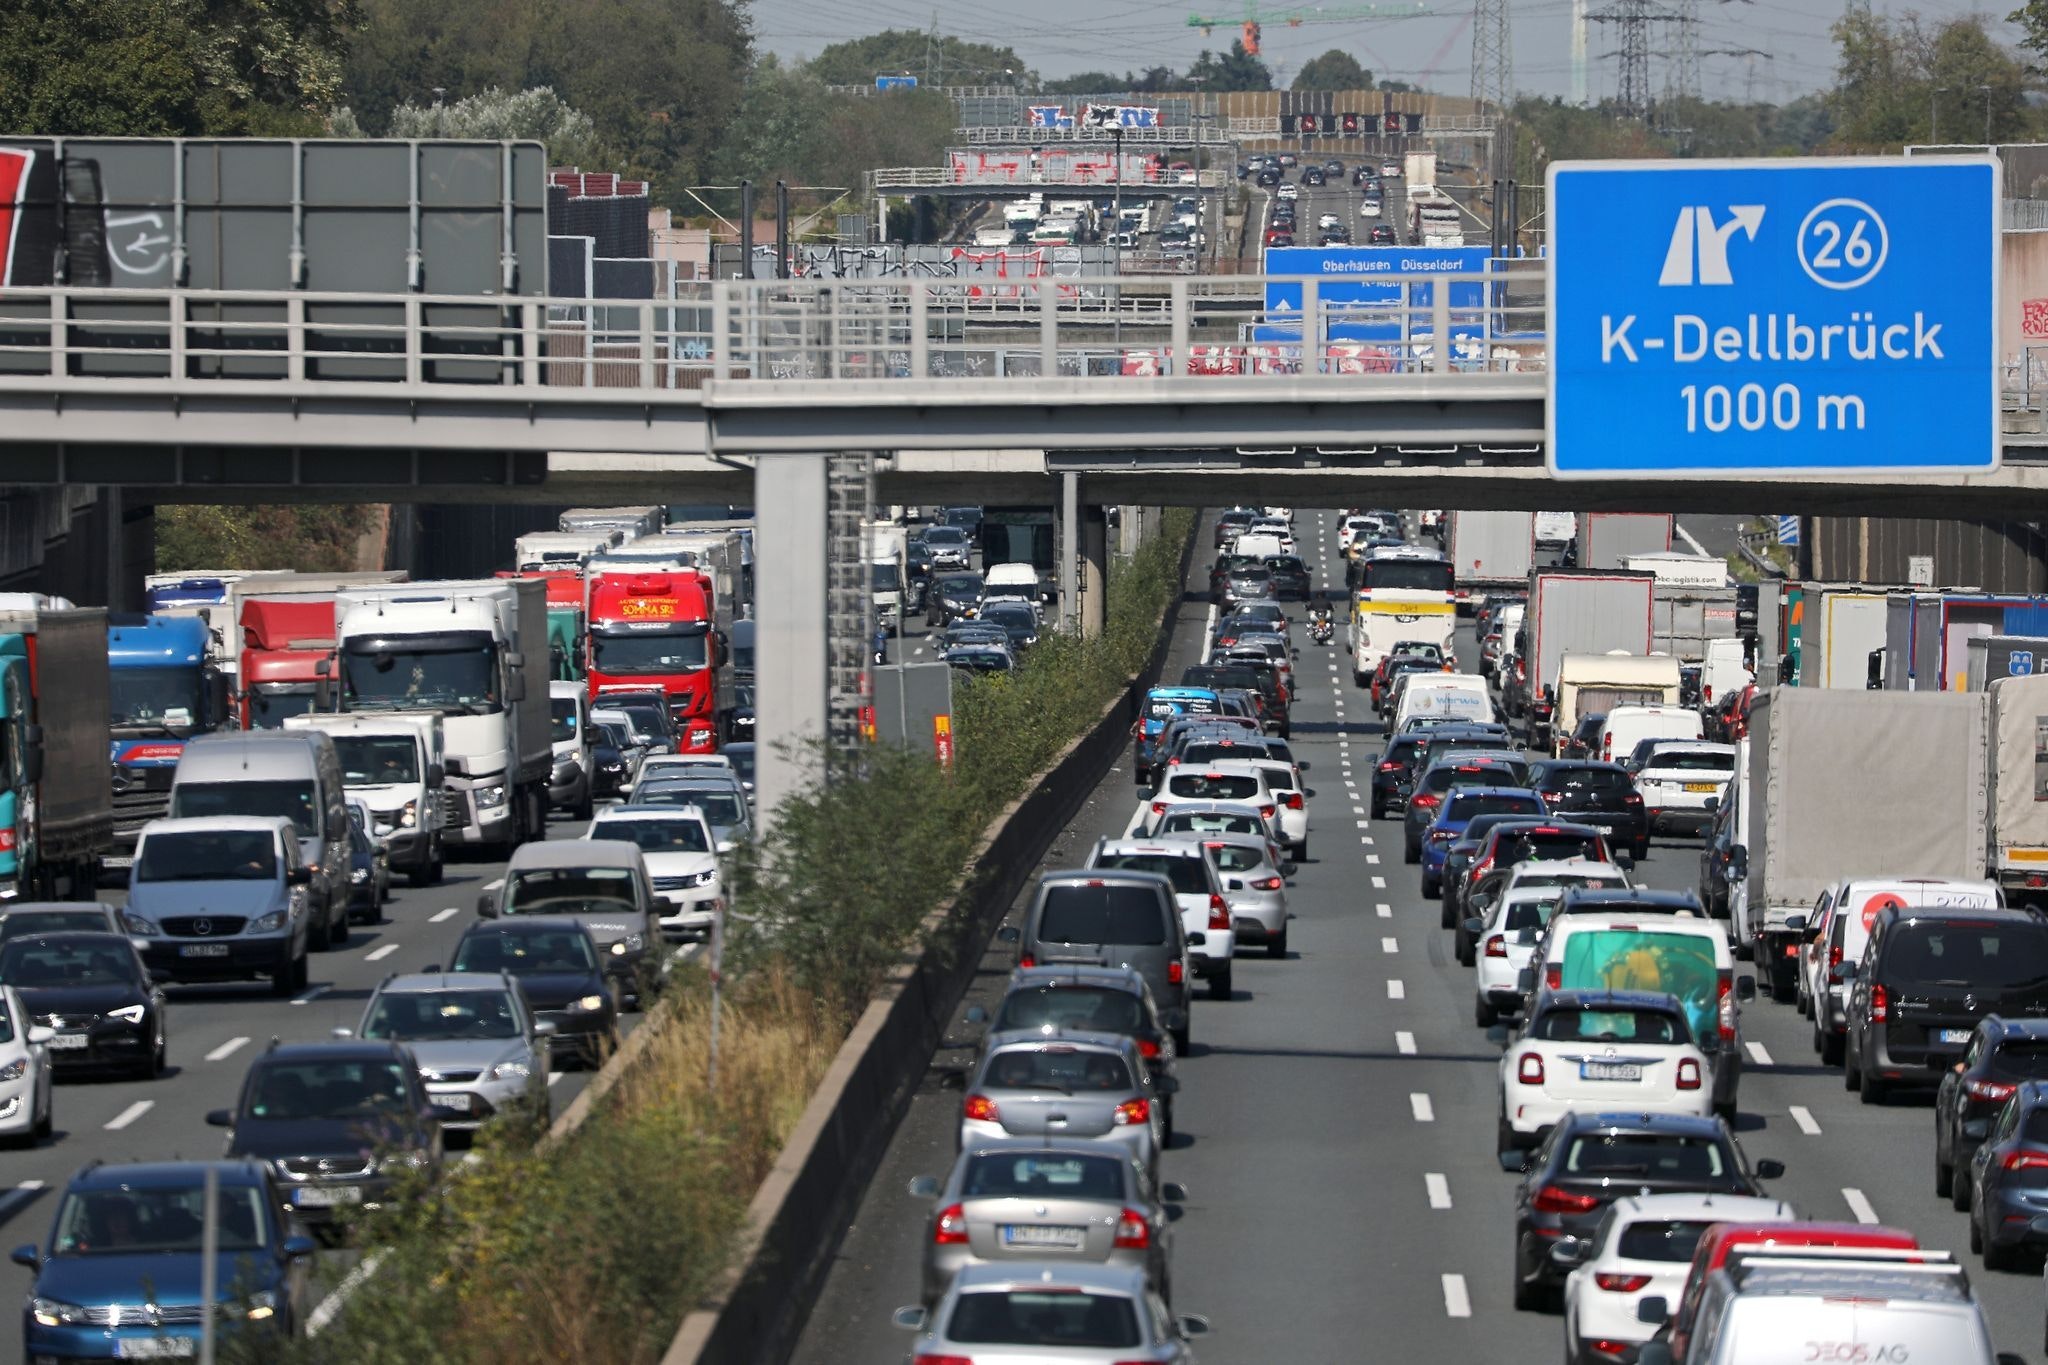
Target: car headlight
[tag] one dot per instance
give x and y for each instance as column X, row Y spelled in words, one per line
column 410, row 816
column 261, row 1305
column 270, row 923
column 129, row 1014
column 511, row 1071
column 359, row 875
column 631, row 943
column 393, row 1163
column 491, row 795
column 588, row 1002
column 56, row 1312
column 14, row 1070
column 136, row 924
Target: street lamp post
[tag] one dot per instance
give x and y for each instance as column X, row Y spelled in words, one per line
column 1116, row 239
column 1934, row 112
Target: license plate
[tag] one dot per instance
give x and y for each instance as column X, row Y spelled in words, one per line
column 155, row 1348
column 203, row 950
column 70, row 1042
column 1032, row 1235
column 1955, row 1035
column 1707, row 787
column 328, row 1196
column 1609, row 1071
column 455, row 1101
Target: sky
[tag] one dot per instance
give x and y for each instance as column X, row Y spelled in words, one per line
column 1061, row 37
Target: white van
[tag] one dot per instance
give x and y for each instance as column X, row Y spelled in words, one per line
column 1261, row 543
column 1839, row 926
column 1459, row 696
column 1015, row 581
column 1629, row 726
column 1723, row 670
column 393, row 763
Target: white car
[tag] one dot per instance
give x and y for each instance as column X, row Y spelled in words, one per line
column 1563, row 874
column 1286, row 514
column 1278, row 528
column 1284, row 781
column 1197, row 889
column 1254, row 886
column 1287, row 189
column 1642, row 1248
column 1390, row 168
column 25, row 1099
column 1677, row 780
column 1232, row 781
column 1506, row 941
column 1596, row 1051
column 1353, row 528
column 682, row 862
column 1369, row 208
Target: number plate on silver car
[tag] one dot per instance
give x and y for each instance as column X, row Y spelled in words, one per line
column 1031, row 1235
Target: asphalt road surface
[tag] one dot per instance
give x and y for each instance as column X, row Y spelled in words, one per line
column 1336, row 1118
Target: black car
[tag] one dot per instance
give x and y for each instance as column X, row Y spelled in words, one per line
column 1508, row 847
column 338, row 1121
column 740, row 717
column 1590, row 1160
column 1465, row 851
column 1393, row 775
column 1269, row 177
column 1313, row 175
column 2008, row 1180
column 967, row 519
column 1290, row 577
column 1927, row 977
column 953, row 596
column 649, row 709
column 1591, row 793
column 1718, row 858
column 93, row 991
column 555, row 962
column 609, row 745
column 369, row 875
column 1018, row 621
column 1584, row 740
column 2002, row 1055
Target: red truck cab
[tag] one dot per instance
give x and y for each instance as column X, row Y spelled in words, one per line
column 648, row 630
column 284, row 642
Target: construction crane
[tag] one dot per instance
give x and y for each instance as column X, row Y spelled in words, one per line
column 1249, row 23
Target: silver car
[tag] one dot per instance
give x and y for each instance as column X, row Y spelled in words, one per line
column 1040, row 1083
column 723, row 802
column 481, row 1051
column 1017, row 1200
column 1253, row 886
column 1051, row 1313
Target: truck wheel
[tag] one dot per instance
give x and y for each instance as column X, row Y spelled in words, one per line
column 421, row 872
column 318, row 935
column 286, row 979
column 338, row 932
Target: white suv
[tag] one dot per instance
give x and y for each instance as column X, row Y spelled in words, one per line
column 1596, row 1051
column 1197, row 890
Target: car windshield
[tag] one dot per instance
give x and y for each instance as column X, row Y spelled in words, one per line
column 951, row 536
column 656, row 836
column 964, row 587
column 1670, row 1240
column 561, row 720
column 423, row 1016
column 1609, row 1025
column 134, row 1220
column 1185, row 871
column 1654, row 1156
column 293, row 1092
column 492, row 950
column 570, row 891
column 1984, row 956
column 671, row 649
column 370, row 760
column 89, row 919
column 211, row 855
column 460, row 681
column 1050, row 1175
column 1102, row 914
column 1214, row 786
column 1056, row 1067
column 293, row 800
column 1095, row 1009
column 1053, row 1317
column 721, row 808
column 1421, row 575
column 43, row 962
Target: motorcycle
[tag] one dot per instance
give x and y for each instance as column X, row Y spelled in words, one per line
column 1320, row 630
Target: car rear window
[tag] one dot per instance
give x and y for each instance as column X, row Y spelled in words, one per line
column 1043, row 1176
column 1532, row 914
column 1206, row 822
column 1214, row 786
column 1991, row 956
column 1553, row 848
column 1218, row 751
column 1590, row 779
column 2022, row 1057
column 1092, row 1008
column 1610, row 1025
column 1057, row 1067
column 1489, row 774
column 1102, row 914
column 1692, row 761
column 1671, row 1240
column 1184, row 870
column 1650, row 1156
column 1279, row 777
column 1465, row 807
column 1236, row 858
column 1052, row 1317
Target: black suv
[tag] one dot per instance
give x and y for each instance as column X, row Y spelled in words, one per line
column 2002, row 1055
column 1592, row 793
column 1927, row 977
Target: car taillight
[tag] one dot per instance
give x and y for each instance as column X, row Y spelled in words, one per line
column 1426, row 800
column 1606, row 750
column 1268, row 884
column 1174, row 972
column 951, row 1227
column 1133, row 1233
column 1620, row 1284
column 981, row 1109
column 1148, row 1047
column 1632, row 799
column 1219, row 912
column 1027, row 961
column 1688, row 1074
column 1551, row 1199
column 1988, row 1090
column 1553, row 975
column 1724, row 1002
column 1479, row 869
column 2025, row 1160
column 1497, row 945
column 1880, row 1005
column 1293, row 800
column 1529, row 1070
column 1392, row 767
column 1133, row 1111
column 1835, row 963
column 1159, row 807
column 1267, row 811
column 928, row 1359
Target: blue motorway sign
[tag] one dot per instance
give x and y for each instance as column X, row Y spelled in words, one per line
column 1365, row 274
column 895, row 82
column 1788, row 530
column 1826, row 315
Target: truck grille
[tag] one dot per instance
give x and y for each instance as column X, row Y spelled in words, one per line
column 454, row 808
column 204, row 926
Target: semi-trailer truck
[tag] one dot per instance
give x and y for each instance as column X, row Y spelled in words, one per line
column 56, row 794
column 163, row 688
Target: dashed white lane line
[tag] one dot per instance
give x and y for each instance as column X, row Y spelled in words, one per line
column 554, row 1076
column 1404, row 1043
column 1686, row 536
column 324, row 1313
column 1379, row 883
column 227, row 1049
column 440, row 915
column 1859, row 1206
column 379, row 954
column 1390, row 945
column 1803, row 1116
column 1383, row 910
column 1759, row 1054
column 1419, row 1105
column 1359, row 810
column 1396, row 990
column 310, row 996
column 1365, row 824
column 1439, row 1190
column 1374, row 859
column 1457, row 1301
column 134, row 1112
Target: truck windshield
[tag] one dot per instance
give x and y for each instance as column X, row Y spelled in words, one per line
column 652, row 652
column 291, row 799
column 888, row 578
column 270, row 703
column 164, row 699
column 371, row 760
column 459, row 682
column 1418, row 575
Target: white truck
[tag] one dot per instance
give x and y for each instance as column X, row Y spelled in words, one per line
column 1852, row 628
column 1607, row 539
column 1853, row 784
column 1554, row 530
column 886, row 544
column 1686, row 620
column 1490, row 552
column 477, row 653
column 394, row 762
column 538, row 551
column 1419, row 170
column 1578, row 611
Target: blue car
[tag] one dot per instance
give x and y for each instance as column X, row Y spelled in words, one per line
column 120, row 1275
column 1162, row 707
column 1461, row 805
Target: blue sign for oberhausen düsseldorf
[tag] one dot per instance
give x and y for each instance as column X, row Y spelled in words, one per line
column 1830, row 315
column 1368, row 274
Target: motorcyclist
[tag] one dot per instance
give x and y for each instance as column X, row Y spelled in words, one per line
column 1319, row 615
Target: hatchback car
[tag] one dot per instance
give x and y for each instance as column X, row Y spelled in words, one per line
column 56, row 917
column 1036, row 1084
column 601, row 883
column 1460, row 806
column 1104, row 918
column 1596, row 1051
column 1254, row 886
column 479, row 1047
column 1089, row 1000
column 1050, row 1313
column 26, row 1102
column 1506, row 938
column 103, row 1010
column 556, row 963
column 723, row 804
column 1591, row 793
column 1482, row 769
column 2008, row 1175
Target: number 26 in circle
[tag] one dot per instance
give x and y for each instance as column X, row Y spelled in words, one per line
column 1843, row 243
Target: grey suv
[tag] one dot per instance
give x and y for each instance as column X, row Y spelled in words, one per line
column 1109, row 918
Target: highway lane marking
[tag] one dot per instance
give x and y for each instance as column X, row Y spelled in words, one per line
column 141, row 1107
column 1374, row 859
column 1761, row 1055
column 310, row 996
column 1859, row 1206
column 1439, row 1190
column 1686, row 536
column 1802, row 1116
column 379, row 954
column 1365, row 824
column 1389, row 945
column 1419, row 1105
column 317, row 1320
column 1383, row 910
column 554, row 1076
column 439, row 915
column 1404, row 1043
column 492, row 886
column 1396, row 990
column 1457, row 1302
column 1379, row 883
column 227, row 1049
column 1358, row 810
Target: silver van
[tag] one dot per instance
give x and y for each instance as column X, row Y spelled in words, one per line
column 1113, row 919
column 293, row 773
column 220, row 898
column 602, row 884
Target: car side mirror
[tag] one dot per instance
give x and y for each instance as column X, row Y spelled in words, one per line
column 1569, row 1252
column 1745, row 988
column 1198, row 939
column 37, row 1033
column 1653, row 1311
column 1475, row 927
column 1653, row 1352
column 910, row 1319
column 1192, row 1325
column 436, row 775
column 487, row 905
column 1167, row 1085
column 727, row 846
column 545, row 1028
column 1008, row 934
column 1173, row 1192
column 924, row 1187
column 341, row 1033
column 299, row 876
column 1525, row 980
column 1713, row 803
column 1303, row 764
column 1849, row 971
column 220, row 1118
column 2010, row 1358
column 299, row 1246
column 1624, row 858
column 1770, row 1169
column 1796, row 924
column 1738, row 862
column 1977, row 1129
column 26, row 1255
column 1514, row 1161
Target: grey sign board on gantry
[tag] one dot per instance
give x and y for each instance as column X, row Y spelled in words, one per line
column 908, row 703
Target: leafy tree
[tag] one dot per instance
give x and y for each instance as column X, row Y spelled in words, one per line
column 305, row 538
column 1895, row 80
column 1235, row 70
column 1088, row 83
column 538, row 114
column 781, row 132
column 940, row 60
column 1334, row 70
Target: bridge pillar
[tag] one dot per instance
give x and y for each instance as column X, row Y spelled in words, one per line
column 1094, row 570
column 790, row 636
column 1070, row 551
